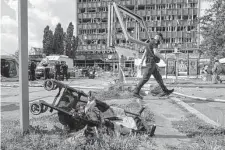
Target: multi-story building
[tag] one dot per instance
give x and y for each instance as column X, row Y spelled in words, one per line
column 175, row 19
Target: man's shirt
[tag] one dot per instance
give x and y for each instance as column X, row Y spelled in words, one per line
column 45, row 62
column 64, row 67
column 57, row 67
column 149, row 50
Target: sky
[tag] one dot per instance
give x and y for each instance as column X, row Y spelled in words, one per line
column 40, row 14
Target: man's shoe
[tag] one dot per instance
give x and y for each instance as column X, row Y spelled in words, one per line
column 137, row 96
column 166, row 93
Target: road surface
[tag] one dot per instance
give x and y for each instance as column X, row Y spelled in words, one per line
column 214, row 110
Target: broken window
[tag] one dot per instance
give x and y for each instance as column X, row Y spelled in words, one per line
column 86, row 20
column 185, row 17
column 141, row 7
column 102, row 30
column 91, row 10
column 82, row 10
column 179, row 6
column 158, row 17
column 104, row 19
column 152, row 18
column 173, row 40
column 130, row 7
column 150, row 7
column 179, row 17
column 153, row 28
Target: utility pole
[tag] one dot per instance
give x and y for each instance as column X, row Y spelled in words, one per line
column 23, row 65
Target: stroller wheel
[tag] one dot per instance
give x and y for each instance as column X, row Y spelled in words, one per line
column 36, row 108
column 49, row 85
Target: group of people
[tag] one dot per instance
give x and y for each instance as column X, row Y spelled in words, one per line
column 61, row 68
column 215, row 71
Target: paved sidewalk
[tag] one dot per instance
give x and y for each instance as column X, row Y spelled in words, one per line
column 165, row 112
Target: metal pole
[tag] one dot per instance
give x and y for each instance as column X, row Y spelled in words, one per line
column 23, row 65
column 75, row 31
column 177, row 65
column 85, row 59
column 75, row 19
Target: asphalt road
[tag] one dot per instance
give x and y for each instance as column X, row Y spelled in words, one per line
column 214, row 110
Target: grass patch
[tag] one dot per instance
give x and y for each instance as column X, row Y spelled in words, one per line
column 46, row 133
column 116, row 91
column 204, row 136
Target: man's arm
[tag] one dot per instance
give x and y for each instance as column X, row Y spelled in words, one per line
column 156, row 52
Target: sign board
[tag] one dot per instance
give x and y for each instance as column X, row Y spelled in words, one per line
column 193, row 66
column 183, row 65
column 171, row 67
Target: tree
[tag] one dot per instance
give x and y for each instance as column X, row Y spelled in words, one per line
column 47, row 41
column 58, row 47
column 68, row 39
column 213, row 30
column 74, row 46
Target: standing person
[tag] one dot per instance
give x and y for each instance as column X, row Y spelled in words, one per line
column 7, row 69
column 152, row 56
column 65, row 70
column 216, row 70
column 32, row 70
column 45, row 64
column 57, row 70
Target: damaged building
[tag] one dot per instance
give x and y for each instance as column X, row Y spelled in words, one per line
column 175, row 19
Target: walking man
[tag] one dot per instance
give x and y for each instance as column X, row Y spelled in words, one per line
column 65, row 70
column 152, row 56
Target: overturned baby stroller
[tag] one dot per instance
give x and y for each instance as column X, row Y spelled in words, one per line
column 76, row 113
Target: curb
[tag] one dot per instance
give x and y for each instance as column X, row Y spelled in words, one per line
column 38, row 85
column 200, row 98
column 194, row 86
column 195, row 112
column 84, row 87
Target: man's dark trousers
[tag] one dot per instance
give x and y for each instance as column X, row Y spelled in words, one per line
column 46, row 73
column 151, row 69
column 65, row 74
column 57, row 75
column 32, row 75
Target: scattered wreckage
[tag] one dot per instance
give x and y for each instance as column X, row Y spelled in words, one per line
column 76, row 114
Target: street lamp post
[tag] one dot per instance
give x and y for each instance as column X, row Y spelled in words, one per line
column 23, row 65
column 176, row 52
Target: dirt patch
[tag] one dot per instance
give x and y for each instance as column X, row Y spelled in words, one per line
column 10, row 107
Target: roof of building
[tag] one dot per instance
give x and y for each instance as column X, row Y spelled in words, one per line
column 56, row 57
